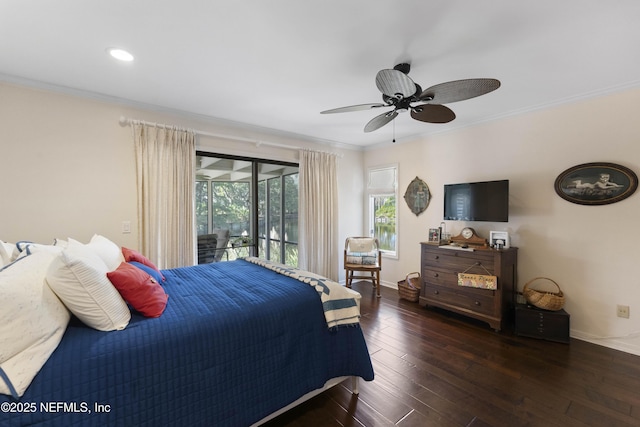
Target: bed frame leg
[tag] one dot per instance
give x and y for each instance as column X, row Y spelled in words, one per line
column 354, row 385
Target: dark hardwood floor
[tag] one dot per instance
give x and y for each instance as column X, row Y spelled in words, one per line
column 434, row 368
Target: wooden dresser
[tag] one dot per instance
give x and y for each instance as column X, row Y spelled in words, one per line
column 440, row 267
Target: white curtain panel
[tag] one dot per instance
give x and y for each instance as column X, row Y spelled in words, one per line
column 165, row 169
column 318, row 217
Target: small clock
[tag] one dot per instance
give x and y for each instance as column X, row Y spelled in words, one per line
column 467, row 232
column 468, row 236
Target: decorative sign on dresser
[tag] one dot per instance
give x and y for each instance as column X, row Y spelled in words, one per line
column 441, row 266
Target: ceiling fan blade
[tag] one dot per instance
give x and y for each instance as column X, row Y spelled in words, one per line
column 378, row 121
column 358, row 107
column 458, row 90
column 433, row 113
column 393, row 83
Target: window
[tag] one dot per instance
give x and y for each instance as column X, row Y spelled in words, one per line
column 383, row 212
column 256, row 201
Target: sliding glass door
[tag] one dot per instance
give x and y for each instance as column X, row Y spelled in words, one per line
column 278, row 216
column 250, row 205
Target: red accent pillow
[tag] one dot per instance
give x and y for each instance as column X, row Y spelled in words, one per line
column 133, row 255
column 139, row 289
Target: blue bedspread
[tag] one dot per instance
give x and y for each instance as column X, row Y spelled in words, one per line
column 236, row 343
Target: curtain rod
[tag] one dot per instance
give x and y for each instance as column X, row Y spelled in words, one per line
column 124, row 121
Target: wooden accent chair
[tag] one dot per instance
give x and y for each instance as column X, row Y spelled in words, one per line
column 362, row 255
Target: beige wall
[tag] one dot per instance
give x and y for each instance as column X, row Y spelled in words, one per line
column 68, row 168
column 591, row 251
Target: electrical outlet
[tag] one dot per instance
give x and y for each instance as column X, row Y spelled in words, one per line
column 623, row 311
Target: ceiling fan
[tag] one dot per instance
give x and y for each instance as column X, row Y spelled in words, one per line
column 401, row 93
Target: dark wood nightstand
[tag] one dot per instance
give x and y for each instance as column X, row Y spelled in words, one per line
column 547, row 325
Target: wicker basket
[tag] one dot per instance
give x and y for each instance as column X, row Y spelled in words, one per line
column 409, row 288
column 543, row 299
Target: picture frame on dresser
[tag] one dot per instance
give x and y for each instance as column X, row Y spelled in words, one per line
column 434, row 236
column 495, row 237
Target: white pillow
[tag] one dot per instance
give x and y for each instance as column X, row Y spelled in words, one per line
column 14, row 252
column 60, row 242
column 79, row 278
column 108, row 251
column 32, row 248
column 6, row 250
column 32, row 322
column 10, row 255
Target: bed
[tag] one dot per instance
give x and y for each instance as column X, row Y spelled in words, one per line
column 235, row 344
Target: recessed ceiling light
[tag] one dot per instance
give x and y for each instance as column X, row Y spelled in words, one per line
column 120, row 54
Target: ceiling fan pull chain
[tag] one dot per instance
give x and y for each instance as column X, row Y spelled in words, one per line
column 394, row 131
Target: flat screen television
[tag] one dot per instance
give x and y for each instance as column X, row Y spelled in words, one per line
column 477, row 201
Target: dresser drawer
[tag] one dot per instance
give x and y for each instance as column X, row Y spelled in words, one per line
column 459, row 261
column 469, row 299
column 441, row 277
column 437, row 276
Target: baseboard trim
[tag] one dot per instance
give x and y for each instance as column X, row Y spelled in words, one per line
column 612, row 343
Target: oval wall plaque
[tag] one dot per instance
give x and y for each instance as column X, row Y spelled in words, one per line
column 596, row 183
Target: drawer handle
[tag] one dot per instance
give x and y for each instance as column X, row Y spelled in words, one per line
column 437, row 257
column 477, row 303
column 435, row 274
column 436, row 292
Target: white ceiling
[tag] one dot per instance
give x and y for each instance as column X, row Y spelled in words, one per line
column 276, row 64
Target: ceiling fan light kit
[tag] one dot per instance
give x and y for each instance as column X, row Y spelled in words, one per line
column 402, row 94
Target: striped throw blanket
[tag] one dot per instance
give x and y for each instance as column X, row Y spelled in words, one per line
column 341, row 305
